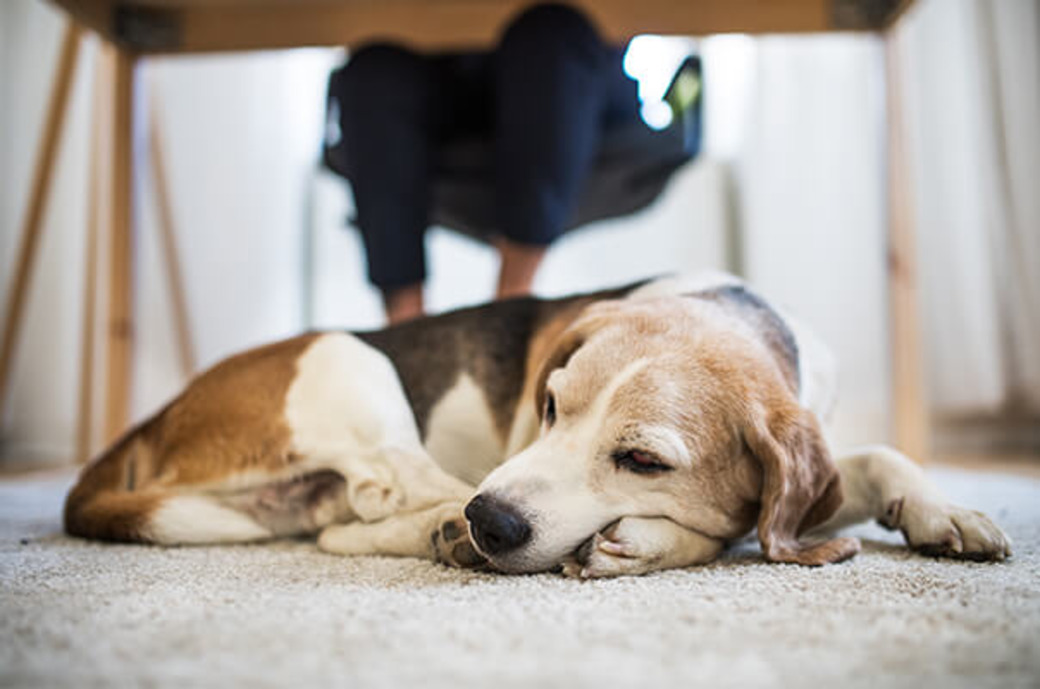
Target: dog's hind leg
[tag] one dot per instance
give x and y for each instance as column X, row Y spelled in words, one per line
column 390, row 479
column 161, row 517
column 437, row 533
column 347, row 411
column 112, row 501
column 882, row 484
column 201, row 519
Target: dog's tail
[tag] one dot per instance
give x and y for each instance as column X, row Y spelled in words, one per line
column 104, row 504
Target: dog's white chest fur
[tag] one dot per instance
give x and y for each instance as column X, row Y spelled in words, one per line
column 461, row 433
column 347, row 400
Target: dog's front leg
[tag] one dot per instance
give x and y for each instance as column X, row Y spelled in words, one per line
column 881, row 483
column 435, row 533
column 638, row 545
column 390, row 479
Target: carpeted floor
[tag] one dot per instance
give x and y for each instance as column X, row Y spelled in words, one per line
column 83, row 614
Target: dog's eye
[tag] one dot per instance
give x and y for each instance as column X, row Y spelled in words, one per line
column 550, row 409
column 639, row 462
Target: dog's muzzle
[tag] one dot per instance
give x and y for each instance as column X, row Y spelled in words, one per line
column 496, row 527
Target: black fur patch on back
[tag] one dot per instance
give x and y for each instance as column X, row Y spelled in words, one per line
column 756, row 311
column 487, row 342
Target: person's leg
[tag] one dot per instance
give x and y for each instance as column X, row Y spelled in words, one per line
column 403, row 303
column 549, row 105
column 518, row 266
column 386, row 121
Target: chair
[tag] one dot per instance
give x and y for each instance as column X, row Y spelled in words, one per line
column 631, row 170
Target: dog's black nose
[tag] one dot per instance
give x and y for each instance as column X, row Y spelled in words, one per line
column 497, row 528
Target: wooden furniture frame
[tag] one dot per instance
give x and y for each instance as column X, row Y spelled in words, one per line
column 134, row 30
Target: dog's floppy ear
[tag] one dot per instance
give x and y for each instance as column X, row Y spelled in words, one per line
column 574, row 332
column 801, row 487
column 562, row 350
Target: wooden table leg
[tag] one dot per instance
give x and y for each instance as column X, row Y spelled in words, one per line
column 911, row 429
column 120, row 333
column 96, row 169
column 168, row 237
column 57, row 108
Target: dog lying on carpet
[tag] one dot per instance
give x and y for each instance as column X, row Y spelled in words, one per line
column 613, row 433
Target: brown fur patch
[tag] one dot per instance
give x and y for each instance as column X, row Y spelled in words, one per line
column 801, row 486
column 228, row 421
column 99, row 506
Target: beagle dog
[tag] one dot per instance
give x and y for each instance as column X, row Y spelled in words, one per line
column 613, row 433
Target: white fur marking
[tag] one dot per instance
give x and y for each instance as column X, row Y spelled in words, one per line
column 524, row 430
column 670, row 442
column 549, row 478
column 196, row 519
column 817, row 365
column 685, row 284
column 348, row 412
column 461, row 433
column 347, row 400
column 597, row 413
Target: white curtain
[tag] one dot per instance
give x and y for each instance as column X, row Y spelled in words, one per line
column 241, row 134
column 800, row 120
column 972, row 79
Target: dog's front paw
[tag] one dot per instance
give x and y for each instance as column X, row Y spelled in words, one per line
column 374, row 499
column 347, row 539
column 616, row 551
column 451, row 544
column 939, row 529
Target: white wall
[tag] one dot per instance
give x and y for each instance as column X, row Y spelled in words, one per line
column 242, row 131
column 685, row 230
column 40, row 418
column 973, row 105
column 240, row 136
column 801, row 119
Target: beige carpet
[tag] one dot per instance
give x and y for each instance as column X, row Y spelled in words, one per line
column 83, row 614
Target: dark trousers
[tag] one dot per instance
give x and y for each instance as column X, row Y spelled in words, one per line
column 544, row 97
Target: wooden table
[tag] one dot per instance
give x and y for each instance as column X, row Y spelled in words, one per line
column 133, row 30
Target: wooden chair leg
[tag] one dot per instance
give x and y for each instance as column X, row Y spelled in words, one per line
column 120, row 333
column 57, row 109
column 100, row 124
column 175, row 282
column 910, row 417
